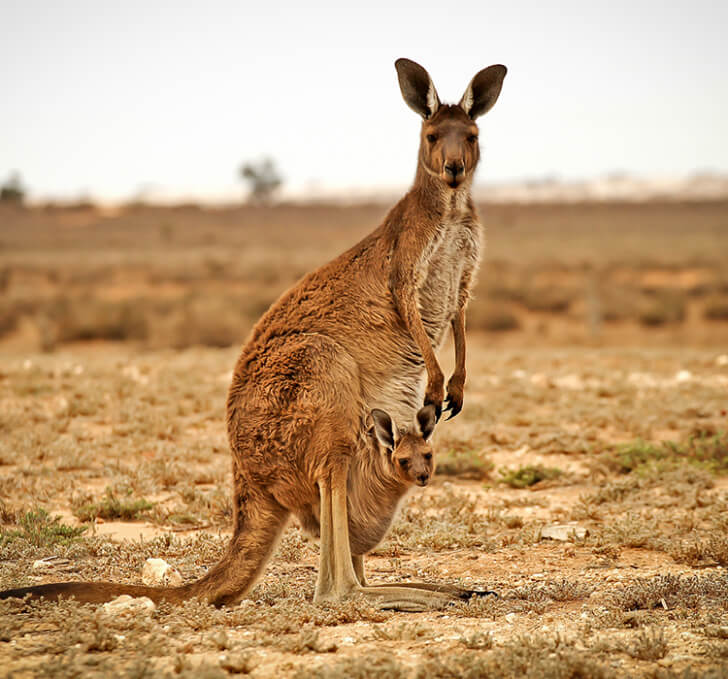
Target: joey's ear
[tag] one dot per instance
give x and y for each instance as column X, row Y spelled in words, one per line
column 483, row 90
column 417, row 88
column 427, row 419
column 383, row 428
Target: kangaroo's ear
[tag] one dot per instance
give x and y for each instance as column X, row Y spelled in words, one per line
column 427, row 419
column 417, row 88
column 383, row 428
column 483, row 90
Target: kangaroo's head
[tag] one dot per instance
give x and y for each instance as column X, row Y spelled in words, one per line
column 410, row 454
column 449, row 139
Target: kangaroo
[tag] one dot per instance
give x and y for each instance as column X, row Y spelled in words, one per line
column 379, row 480
column 355, row 335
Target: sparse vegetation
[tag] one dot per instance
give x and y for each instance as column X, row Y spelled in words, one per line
column 40, row 529
column 467, row 464
column 528, row 475
column 114, row 505
column 663, row 309
column 716, row 310
column 707, row 451
column 12, row 190
column 263, row 178
column 492, row 319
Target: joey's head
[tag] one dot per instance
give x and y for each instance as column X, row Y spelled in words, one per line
column 449, row 147
column 410, row 453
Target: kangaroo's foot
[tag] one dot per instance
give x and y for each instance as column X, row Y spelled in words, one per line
column 453, row 591
column 338, row 579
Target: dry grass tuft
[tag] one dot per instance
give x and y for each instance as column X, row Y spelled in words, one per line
column 529, row 475
column 648, row 644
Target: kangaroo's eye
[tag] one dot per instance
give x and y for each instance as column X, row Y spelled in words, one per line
column 403, row 462
column 473, row 138
column 432, row 138
column 427, row 456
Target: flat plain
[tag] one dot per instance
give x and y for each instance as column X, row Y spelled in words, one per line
column 596, row 400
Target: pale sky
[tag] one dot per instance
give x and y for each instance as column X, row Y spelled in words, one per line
column 104, row 98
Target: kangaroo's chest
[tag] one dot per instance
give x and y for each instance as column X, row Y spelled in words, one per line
column 455, row 253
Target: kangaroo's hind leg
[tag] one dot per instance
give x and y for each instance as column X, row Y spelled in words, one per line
column 337, row 578
column 358, row 561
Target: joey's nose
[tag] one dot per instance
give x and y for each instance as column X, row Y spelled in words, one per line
column 454, row 168
column 422, row 479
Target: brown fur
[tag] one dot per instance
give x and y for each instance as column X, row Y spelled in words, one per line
column 357, row 334
column 378, row 480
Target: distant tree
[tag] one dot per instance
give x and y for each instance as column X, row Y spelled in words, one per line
column 12, row 190
column 263, row 180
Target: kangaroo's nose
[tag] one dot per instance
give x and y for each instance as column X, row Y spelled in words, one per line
column 422, row 479
column 454, row 168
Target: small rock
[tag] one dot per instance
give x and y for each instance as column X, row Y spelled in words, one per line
column 42, row 565
column 220, row 639
column 563, row 532
column 573, row 382
column 52, row 563
column 683, row 376
column 235, row 663
column 722, row 360
column 125, row 604
column 641, row 380
column 159, row 572
column 510, row 617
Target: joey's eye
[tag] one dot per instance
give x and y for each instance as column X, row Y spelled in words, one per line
column 403, row 462
column 427, row 456
column 473, row 138
column 432, row 138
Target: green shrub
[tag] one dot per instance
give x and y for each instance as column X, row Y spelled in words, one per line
column 42, row 530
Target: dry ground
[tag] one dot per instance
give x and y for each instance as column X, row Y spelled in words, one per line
column 121, row 433
column 604, row 406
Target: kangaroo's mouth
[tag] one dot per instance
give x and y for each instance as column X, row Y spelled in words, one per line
column 452, row 182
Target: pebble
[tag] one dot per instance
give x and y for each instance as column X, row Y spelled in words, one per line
column 220, row 639
column 127, row 604
column 563, row 532
column 159, row 572
column 235, row 663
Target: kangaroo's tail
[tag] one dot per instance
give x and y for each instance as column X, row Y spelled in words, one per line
column 258, row 524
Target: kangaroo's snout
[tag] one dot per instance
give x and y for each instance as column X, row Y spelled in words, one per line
column 454, row 168
column 453, row 172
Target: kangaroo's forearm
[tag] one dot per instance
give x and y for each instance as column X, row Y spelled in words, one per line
column 407, row 307
column 458, row 334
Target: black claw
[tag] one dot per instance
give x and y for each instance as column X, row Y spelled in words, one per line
column 452, row 407
column 481, row 593
column 468, row 594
